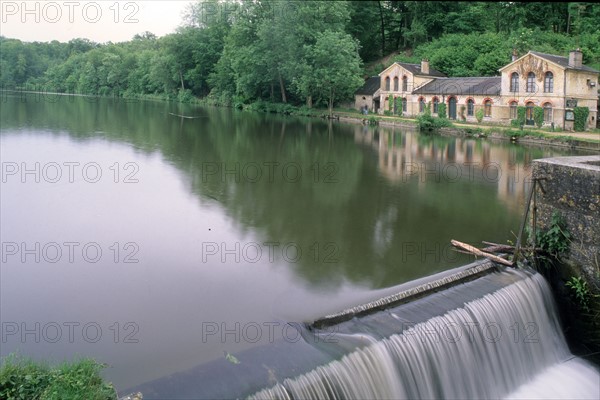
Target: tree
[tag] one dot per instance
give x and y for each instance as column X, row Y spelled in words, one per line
column 335, row 68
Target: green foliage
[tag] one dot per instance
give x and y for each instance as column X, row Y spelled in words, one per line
column 479, row 115
column 399, row 107
column 521, row 115
column 538, row 116
column 373, row 120
column 580, row 291
column 391, row 103
column 275, row 51
column 462, row 113
column 555, row 239
column 581, row 116
column 442, row 111
column 427, row 123
column 23, row 379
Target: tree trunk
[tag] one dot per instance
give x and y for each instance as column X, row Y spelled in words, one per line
column 331, row 104
column 181, row 78
column 282, row 88
column 382, row 29
column 309, row 103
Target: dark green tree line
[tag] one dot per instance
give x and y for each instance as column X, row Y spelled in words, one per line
column 239, row 52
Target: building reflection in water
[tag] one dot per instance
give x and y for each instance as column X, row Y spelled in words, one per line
column 407, row 156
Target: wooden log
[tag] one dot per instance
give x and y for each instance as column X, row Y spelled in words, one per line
column 476, row 251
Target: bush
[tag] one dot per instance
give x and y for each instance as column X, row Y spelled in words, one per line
column 462, row 113
column 23, row 379
column 442, row 110
column 373, row 120
column 479, row 115
column 581, row 115
column 427, row 123
column 515, row 123
column 521, row 113
column 538, row 116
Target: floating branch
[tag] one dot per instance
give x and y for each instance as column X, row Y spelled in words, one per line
column 186, row 116
column 477, row 252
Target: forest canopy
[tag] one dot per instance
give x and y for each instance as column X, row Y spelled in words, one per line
column 318, row 52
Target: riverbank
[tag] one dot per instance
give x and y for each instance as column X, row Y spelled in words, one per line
column 573, row 140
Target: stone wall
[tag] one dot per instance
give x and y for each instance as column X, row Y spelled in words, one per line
column 571, row 187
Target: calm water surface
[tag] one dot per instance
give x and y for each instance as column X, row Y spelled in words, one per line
column 135, row 236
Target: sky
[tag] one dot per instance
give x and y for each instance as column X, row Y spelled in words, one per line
column 100, row 21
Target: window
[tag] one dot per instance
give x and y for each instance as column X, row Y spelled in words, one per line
column 513, row 110
column 435, row 105
column 514, row 82
column 530, row 82
column 387, row 83
column 421, row 104
column 470, row 107
column 404, row 84
column 547, row 112
column 404, row 104
column 395, row 83
column 549, row 82
column 487, row 108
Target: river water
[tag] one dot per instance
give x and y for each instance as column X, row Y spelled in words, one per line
column 156, row 243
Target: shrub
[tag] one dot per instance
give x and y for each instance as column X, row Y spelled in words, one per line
column 23, row 379
column 581, row 115
column 462, row 113
column 538, row 116
column 521, row 112
column 479, row 115
column 442, row 110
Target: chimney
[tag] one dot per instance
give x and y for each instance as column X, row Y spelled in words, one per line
column 515, row 55
column 575, row 58
column 425, row 66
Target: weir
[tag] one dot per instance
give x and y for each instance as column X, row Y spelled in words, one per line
column 480, row 331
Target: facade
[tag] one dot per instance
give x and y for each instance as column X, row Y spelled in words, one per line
column 555, row 83
column 368, row 95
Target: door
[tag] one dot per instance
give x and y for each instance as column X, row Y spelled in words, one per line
column 529, row 115
column 452, row 108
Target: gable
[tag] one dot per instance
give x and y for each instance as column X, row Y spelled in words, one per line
column 530, row 62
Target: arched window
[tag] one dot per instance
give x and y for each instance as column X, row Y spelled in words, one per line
column 435, row 105
column 387, row 83
column 547, row 112
column 530, row 82
column 513, row 110
column 395, row 84
column 404, row 84
column 404, row 104
column 421, row 104
column 487, row 108
column 470, row 107
column 549, row 82
column 514, row 82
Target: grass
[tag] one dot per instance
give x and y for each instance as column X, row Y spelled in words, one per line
column 24, row 379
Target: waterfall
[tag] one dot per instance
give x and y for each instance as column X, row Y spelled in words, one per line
column 505, row 344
